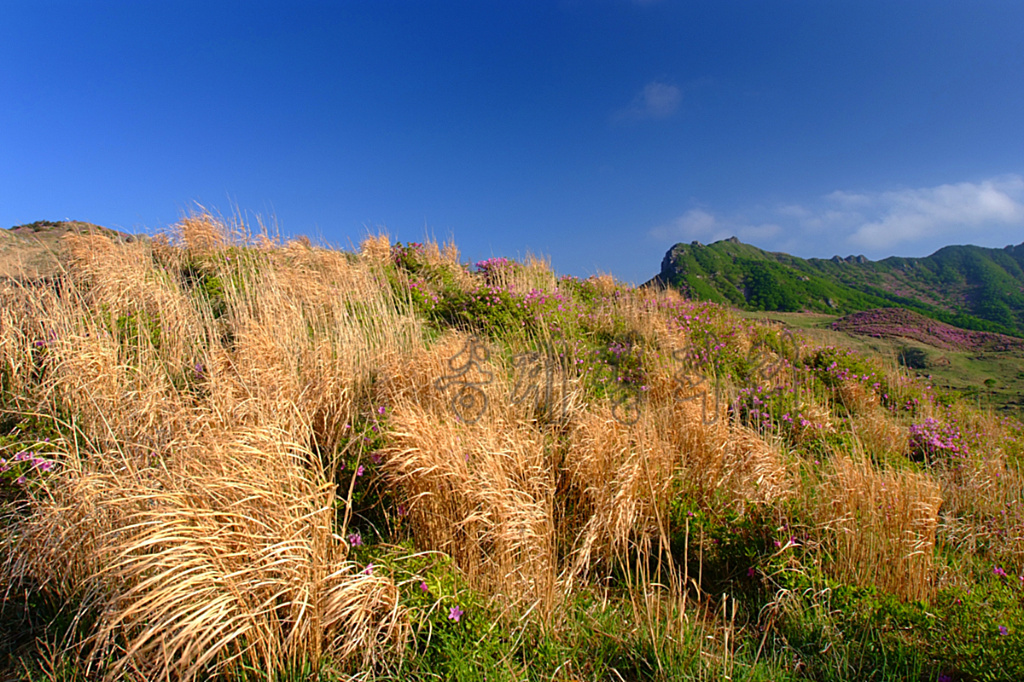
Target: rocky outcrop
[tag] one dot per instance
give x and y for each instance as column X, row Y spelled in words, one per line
column 849, row 259
column 669, row 267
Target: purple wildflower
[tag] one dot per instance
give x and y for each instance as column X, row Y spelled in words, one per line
column 455, row 613
column 423, row 586
column 355, row 539
column 1003, row 631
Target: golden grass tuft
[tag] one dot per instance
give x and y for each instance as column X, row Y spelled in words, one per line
column 202, row 234
column 224, row 552
column 376, row 248
column 617, row 487
column 882, row 439
column 534, row 273
column 983, row 503
column 191, row 512
column 625, row 476
column 857, row 398
column 605, row 284
column 715, row 455
column 482, row 492
column 446, row 259
column 818, row 416
column 463, row 482
column 879, row 527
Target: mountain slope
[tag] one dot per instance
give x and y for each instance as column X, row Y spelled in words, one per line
column 966, row 286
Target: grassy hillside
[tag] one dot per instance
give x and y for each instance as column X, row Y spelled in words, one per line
column 229, row 458
column 984, row 369
column 33, row 251
column 967, row 286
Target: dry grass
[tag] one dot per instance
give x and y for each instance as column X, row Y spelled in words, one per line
column 881, row 437
column 482, row 492
column 224, row 551
column 819, row 424
column 212, row 375
column 376, row 248
column 879, row 526
column 485, row 492
column 982, row 491
column 857, row 398
column 605, row 284
column 195, row 518
column 534, row 273
column 983, row 505
column 483, row 495
column 446, row 258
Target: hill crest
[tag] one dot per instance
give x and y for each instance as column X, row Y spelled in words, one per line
column 29, row 251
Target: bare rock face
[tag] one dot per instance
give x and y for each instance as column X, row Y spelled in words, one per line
column 669, row 268
column 849, row 259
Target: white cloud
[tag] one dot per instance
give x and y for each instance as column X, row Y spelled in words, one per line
column 849, row 199
column 947, row 211
column 914, row 221
column 794, row 211
column 695, row 224
column 655, row 101
column 700, row 225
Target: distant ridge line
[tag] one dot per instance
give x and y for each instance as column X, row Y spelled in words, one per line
column 970, row 287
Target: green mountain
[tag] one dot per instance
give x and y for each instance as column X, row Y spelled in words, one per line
column 966, row 286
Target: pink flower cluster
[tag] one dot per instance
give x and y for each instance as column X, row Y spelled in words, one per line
column 16, row 465
column 492, row 265
column 905, row 324
column 540, row 297
column 34, row 462
column 933, row 439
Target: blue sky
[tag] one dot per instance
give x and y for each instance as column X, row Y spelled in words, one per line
column 596, row 132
